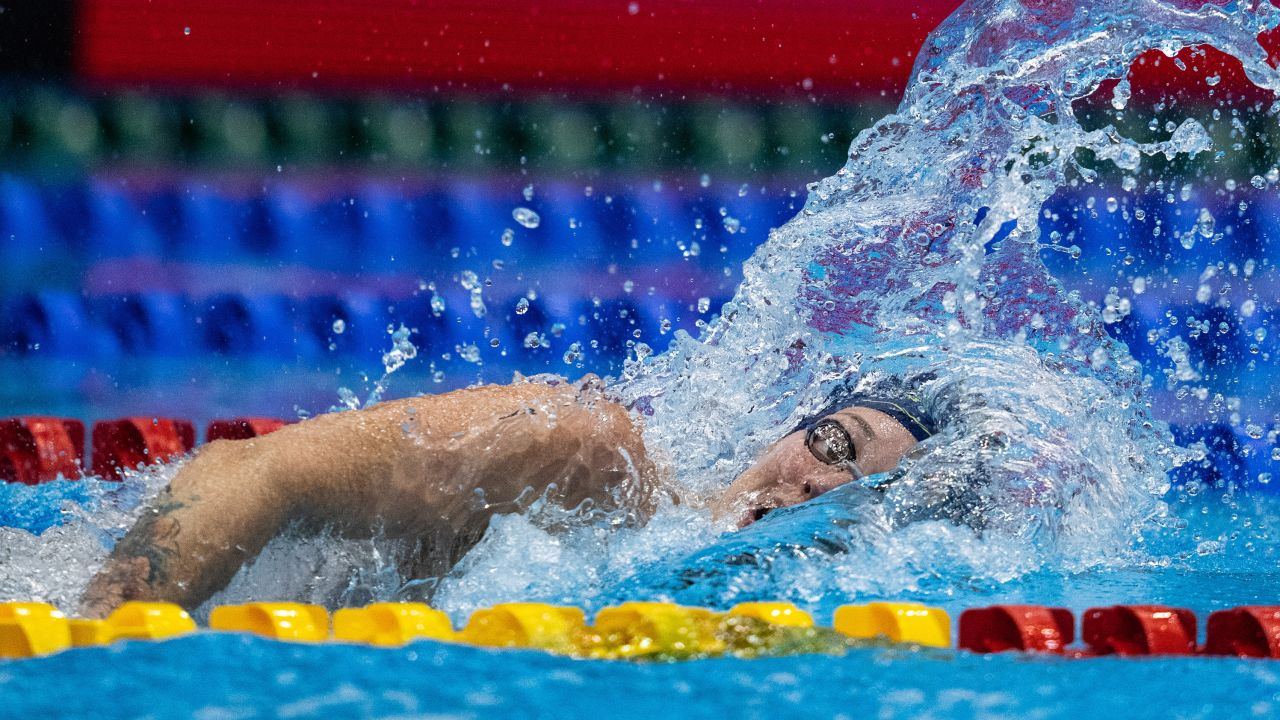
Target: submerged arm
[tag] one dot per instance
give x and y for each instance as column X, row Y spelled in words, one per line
column 431, row 466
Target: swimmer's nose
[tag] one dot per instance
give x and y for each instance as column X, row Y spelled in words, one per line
column 754, row 515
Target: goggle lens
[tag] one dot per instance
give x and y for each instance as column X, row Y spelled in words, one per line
column 830, row 443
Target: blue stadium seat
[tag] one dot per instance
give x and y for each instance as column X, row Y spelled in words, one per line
column 109, row 222
column 1261, row 221
column 309, row 229
column 388, row 231
column 26, row 231
column 213, row 225
column 643, row 226
column 1224, row 463
column 517, row 327
column 155, row 323
column 605, row 331
column 437, row 334
column 364, row 325
column 756, row 216
column 570, row 222
column 477, row 218
column 248, row 325
column 48, row 323
column 681, row 315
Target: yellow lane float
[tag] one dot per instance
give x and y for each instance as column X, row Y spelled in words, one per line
column 526, row 625
column 134, row 621
column 638, row 629
column 903, row 622
column 28, row 629
column 391, row 624
column 279, row 621
column 774, row 613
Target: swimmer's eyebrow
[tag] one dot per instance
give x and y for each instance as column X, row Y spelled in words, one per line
column 861, row 423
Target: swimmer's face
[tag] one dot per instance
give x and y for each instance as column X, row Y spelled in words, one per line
column 787, row 473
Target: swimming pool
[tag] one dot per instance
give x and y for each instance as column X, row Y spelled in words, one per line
column 912, row 261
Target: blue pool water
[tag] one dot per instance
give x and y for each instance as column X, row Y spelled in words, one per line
column 1095, row 447
column 244, row 677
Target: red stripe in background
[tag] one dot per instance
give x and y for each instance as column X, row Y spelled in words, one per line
column 843, row 47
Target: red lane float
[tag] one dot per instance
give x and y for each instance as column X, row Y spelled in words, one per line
column 1139, row 630
column 35, row 449
column 1026, row 628
column 129, row 442
column 242, row 428
column 1249, row 631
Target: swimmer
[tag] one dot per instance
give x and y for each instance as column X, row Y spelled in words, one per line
column 434, row 469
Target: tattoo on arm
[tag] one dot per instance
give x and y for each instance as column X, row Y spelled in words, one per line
column 154, row 539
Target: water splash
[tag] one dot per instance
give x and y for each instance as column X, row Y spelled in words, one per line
column 919, row 263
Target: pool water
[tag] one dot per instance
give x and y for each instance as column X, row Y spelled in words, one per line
column 234, row 676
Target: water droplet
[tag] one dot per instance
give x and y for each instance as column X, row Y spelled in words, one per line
column 468, row 352
column 522, row 306
column 437, row 305
column 1213, row 80
column 186, row 31
column 633, row 8
column 573, row 354
column 339, row 326
column 1120, row 95
column 495, row 342
column 1112, row 205
column 1205, row 223
column 526, row 217
column 704, row 304
column 742, row 191
column 528, row 193
column 732, row 224
column 508, row 236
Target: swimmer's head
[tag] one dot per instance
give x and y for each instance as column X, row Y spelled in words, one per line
column 823, row 453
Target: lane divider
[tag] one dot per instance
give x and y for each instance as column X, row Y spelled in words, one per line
column 277, row 620
column 37, row 449
column 899, row 622
column 123, row 444
column 133, row 621
column 665, row 631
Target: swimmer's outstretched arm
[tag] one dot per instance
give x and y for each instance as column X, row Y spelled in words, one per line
column 435, row 466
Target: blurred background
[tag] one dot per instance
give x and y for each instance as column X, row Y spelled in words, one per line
column 223, row 209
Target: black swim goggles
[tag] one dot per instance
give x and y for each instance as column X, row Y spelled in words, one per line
column 830, row 443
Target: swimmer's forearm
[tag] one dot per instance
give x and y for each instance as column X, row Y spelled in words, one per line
column 220, row 510
column 411, row 467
